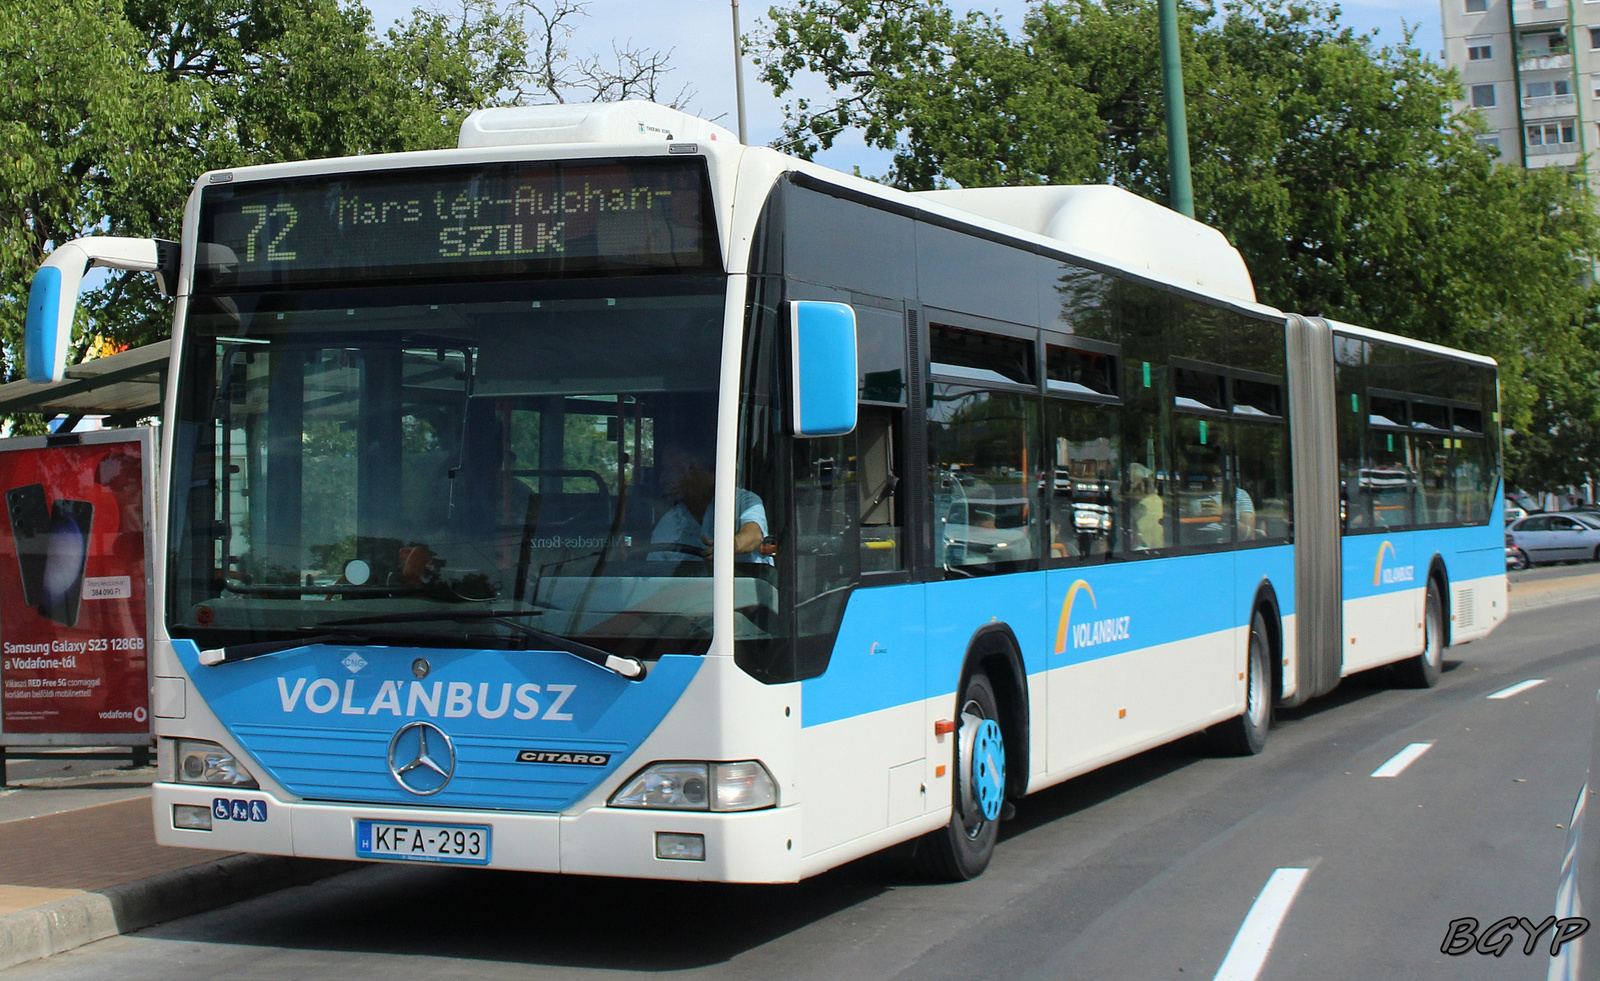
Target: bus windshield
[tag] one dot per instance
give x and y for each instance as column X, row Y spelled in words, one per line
column 353, row 453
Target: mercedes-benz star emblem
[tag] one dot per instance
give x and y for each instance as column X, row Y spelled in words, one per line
column 422, row 758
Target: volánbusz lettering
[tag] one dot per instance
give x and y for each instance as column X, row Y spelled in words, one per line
column 457, row 700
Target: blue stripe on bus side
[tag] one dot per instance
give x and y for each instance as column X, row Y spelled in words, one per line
column 885, row 656
column 1379, row 564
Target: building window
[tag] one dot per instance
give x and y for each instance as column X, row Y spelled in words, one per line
column 1480, row 48
column 1594, row 82
column 1594, row 39
column 1483, row 96
column 1490, row 142
column 1558, row 133
column 1477, row 6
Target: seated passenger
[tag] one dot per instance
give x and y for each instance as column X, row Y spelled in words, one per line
column 1148, row 515
column 687, row 530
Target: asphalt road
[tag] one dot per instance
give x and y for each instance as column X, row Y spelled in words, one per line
column 1147, row 869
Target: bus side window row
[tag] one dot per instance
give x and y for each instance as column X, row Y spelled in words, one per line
column 997, row 500
column 1422, row 481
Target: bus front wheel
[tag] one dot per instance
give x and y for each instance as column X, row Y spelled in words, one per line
column 961, row 849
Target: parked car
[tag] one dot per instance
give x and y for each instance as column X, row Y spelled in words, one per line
column 1513, row 513
column 1565, row 537
column 1516, row 558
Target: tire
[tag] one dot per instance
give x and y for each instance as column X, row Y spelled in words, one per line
column 1518, row 559
column 961, row 849
column 1423, row 670
column 1246, row 734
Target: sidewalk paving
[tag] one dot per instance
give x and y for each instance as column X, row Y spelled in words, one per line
column 1536, row 593
column 76, row 867
column 71, row 875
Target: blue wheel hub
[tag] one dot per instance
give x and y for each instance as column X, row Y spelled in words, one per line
column 988, row 777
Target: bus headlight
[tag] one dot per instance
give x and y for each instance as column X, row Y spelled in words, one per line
column 207, row 763
column 697, row 786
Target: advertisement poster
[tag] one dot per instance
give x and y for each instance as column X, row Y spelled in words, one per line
column 73, row 611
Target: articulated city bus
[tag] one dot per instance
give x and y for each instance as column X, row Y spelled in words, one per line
column 603, row 496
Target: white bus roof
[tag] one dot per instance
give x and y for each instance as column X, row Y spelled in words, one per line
column 1138, row 234
column 631, row 121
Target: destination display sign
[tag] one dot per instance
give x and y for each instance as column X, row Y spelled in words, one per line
column 449, row 224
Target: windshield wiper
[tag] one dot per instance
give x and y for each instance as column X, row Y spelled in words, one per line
column 322, row 633
column 244, row 652
column 352, row 631
column 631, row 668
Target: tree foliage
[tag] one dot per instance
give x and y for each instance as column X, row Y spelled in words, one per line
column 109, row 110
column 1336, row 166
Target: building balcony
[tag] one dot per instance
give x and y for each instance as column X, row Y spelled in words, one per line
column 1555, row 59
column 1556, row 155
column 1538, row 11
column 1547, row 107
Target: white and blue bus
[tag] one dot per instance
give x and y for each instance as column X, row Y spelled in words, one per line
column 603, row 496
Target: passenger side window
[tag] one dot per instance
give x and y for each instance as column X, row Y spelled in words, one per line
column 1083, row 480
column 983, row 502
column 1208, row 504
column 1081, row 475
column 1261, row 460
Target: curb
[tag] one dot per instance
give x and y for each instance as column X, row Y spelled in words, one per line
column 62, row 925
column 1536, row 598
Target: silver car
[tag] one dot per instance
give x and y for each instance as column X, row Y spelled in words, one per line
column 1557, row 537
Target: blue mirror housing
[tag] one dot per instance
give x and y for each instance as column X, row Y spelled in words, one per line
column 53, row 298
column 823, row 338
column 44, row 343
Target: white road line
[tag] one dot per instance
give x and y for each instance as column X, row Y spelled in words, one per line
column 1401, row 760
column 1254, row 941
column 1517, row 688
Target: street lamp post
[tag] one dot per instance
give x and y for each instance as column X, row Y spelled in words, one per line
column 738, row 72
column 1181, row 189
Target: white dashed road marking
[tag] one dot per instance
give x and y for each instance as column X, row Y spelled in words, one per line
column 1401, row 760
column 1517, row 688
column 1254, row 941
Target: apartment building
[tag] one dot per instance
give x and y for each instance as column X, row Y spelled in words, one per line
column 1532, row 67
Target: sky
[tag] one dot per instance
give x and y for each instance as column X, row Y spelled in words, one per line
column 699, row 35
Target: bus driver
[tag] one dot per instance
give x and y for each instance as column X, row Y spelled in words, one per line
column 686, row 531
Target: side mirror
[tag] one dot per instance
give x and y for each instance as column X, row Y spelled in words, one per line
column 823, row 353
column 53, row 298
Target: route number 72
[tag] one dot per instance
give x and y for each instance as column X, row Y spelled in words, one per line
column 275, row 252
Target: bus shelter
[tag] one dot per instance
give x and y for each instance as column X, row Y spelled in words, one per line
column 75, row 560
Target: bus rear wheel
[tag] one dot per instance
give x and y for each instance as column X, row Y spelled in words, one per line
column 961, row 849
column 1423, row 670
column 1246, row 734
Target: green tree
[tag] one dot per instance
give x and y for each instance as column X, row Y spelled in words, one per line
column 77, row 107
column 1335, row 166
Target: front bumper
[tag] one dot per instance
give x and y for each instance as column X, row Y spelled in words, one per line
column 751, row 846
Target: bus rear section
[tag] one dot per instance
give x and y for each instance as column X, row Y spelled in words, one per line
column 1423, row 563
